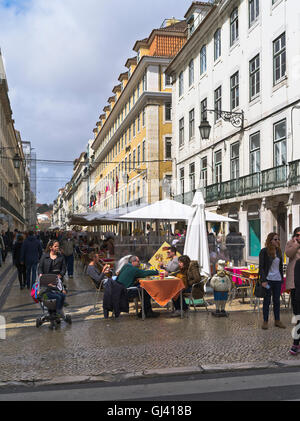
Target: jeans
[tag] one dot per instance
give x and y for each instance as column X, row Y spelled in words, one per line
column 59, row 297
column 184, row 304
column 30, row 274
column 70, row 264
column 21, row 274
column 275, row 292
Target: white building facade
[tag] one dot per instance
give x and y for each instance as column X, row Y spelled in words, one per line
column 241, row 56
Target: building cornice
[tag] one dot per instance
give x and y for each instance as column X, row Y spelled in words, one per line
column 147, row 98
column 126, row 93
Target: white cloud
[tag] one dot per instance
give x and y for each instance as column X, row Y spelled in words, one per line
column 63, row 59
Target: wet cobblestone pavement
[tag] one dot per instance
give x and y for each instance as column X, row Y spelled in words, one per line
column 93, row 346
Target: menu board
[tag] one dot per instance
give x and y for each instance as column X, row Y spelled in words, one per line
column 161, row 256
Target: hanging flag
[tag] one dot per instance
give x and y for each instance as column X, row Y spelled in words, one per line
column 117, row 184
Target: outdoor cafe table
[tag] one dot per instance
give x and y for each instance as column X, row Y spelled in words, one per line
column 162, row 290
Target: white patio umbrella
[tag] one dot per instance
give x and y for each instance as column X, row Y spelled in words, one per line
column 170, row 210
column 196, row 243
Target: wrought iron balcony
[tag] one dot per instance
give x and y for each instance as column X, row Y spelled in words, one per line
column 274, row 178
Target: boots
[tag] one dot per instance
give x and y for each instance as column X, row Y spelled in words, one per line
column 278, row 323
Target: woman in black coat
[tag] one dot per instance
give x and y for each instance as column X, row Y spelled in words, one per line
column 16, row 254
column 271, row 277
column 53, row 262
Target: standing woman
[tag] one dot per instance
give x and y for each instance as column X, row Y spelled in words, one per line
column 53, row 262
column 271, row 277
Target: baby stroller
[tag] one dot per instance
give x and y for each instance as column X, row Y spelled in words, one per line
column 39, row 294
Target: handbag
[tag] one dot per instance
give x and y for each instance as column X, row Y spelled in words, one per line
column 259, row 290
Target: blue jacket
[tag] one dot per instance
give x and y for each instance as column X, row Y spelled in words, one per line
column 31, row 251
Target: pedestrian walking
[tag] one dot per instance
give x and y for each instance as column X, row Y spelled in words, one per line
column 271, row 277
column 31, row 253
column 52, row 262
column 234, row 244
column 67, row 247
column 16, row 255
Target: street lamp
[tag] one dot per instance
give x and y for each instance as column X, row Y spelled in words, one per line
column 16, row 158
column 236, row 119
column 17, row 161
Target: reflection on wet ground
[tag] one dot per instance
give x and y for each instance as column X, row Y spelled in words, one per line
column 92, row 345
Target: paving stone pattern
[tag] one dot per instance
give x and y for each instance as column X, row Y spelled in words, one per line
column 93, row 346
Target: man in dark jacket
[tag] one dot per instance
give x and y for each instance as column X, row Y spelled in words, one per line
column 31, row 253
column 129, row 275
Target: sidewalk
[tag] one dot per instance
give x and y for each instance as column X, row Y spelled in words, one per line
column 95, row 349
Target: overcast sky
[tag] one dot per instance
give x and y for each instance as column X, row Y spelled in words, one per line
column 62, row 59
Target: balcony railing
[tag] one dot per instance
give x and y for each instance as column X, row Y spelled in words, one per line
column 273, row 178
column 6, row 205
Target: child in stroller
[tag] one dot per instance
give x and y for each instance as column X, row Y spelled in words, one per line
column 52, row 269
column 51, row 295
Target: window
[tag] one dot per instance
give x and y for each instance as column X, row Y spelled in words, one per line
column 203, row 174
column 145, row 82
column 182, row 180
column 191, row 73
column 218, row 103
column 168, row 111
column 254, row 77
column 204, row 110
column 168, row 81
column 181, row 84
column 253, row 11
column 217, row 44
column 218, row 167
column 234, row 91
column 234, row 27
column 235, row 161
column 129, row 134
column 129, row 162
column 279, row 58
column 280, row 155
column 144, row 117
column 192, row 177
column 133, row 160
column 139, row 155
column 191, row 124
column 168, row 148
column 133, row 129
column 203, row 62
column 181, row 132
column 255, row 153
column 139, row 123
column 144, row 151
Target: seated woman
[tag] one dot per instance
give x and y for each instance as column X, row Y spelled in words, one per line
column 190, row 274
column 94, row 270
column 52, row 262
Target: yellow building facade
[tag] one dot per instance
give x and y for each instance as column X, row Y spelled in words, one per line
column 133, row 137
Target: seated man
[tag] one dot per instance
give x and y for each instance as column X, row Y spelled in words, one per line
column 173, row 265
column 94, row 271
column 128, row 277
